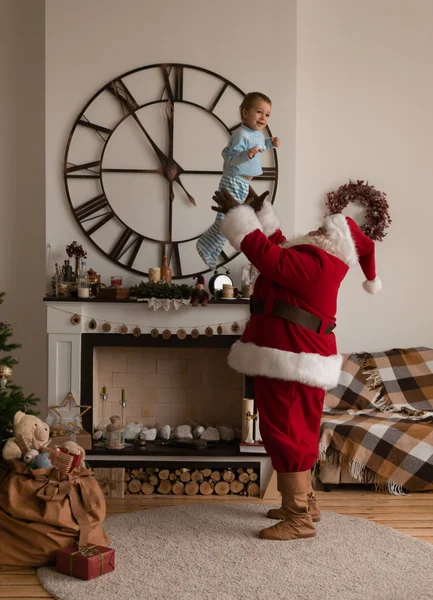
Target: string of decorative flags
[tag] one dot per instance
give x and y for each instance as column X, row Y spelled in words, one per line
column 154, row 330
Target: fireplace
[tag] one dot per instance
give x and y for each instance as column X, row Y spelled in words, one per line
column 80, row 329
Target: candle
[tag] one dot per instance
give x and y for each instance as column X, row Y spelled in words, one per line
column 123, row 396
column 104, row 390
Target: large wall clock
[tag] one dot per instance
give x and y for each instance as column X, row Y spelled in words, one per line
column 143, row 159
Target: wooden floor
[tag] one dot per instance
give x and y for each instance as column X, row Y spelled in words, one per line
column 411, row 514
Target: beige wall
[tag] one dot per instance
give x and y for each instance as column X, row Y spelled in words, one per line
column 364, row 110
column 22, row 186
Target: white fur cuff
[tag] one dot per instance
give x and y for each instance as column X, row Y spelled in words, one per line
column 268, row 219
column 239, row 222
column 372, row 286
column 308, row 368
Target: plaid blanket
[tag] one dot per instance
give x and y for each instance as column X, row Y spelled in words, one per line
column 404, row 379
column 382, row 448
column 356, row 389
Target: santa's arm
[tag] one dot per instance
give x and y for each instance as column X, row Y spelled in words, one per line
column 270, row 223
column 286, row 266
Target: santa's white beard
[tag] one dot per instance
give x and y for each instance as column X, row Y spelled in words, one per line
column 320, row 241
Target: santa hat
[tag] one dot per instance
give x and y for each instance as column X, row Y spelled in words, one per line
column 200, row 279
column 352, row 246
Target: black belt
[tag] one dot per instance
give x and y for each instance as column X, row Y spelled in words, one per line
column 290, row 313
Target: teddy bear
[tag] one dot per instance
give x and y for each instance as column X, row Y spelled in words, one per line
column 30, row 433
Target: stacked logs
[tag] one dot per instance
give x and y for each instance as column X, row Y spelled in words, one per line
column 192, row 482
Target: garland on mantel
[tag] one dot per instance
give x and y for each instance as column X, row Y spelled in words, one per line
column 123, row 328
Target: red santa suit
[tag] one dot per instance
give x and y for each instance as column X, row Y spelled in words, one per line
column 293, row 365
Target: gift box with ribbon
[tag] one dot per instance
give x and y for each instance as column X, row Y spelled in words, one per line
column 85, row 562
column 111, row 481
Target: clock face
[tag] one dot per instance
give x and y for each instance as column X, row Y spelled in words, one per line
column 143, row 160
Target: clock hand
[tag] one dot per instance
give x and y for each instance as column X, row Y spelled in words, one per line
column 173, row 168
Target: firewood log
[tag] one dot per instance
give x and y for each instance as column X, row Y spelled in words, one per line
column 197, row 476
column 134, row 473
column 206, row 473
column 249, row 471
column 178, row 488
column 244, row 477
column 150, row 470
column 222, row 488
column 134, row 486
column 147, row 489
column 229, row 476
column 165, row 486
column 240, row 471
column 153, row 480
column 178, row 472
column 215, row 475
column 253, row 489
column 185, row 476
column 254, row 476
column 191, row 488
column 236, row 486
column 206, row 489
column 127, row 475
column 164, row 474
column 172, row 477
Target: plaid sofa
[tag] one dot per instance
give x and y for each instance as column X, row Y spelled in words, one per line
column 377, row 424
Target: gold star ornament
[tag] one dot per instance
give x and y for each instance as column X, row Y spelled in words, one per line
column 70, row 414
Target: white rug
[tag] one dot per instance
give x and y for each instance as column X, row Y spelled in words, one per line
column 212, row 552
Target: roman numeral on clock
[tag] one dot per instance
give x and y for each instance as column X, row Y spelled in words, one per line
column 125, row 243
column 89, row 211
column 269, row 174
column 89, row 170
column 84, row 122
column 123, row 95
column 175, row 93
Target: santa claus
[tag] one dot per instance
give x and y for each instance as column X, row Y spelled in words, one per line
column 289, row 344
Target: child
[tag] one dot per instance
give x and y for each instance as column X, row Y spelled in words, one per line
column 241, row 164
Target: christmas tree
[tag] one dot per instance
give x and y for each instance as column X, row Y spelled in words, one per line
column 12, row 398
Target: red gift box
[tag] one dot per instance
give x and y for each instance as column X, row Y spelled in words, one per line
column 86, row 562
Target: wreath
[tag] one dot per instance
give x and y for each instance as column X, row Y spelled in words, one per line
column 377, row 217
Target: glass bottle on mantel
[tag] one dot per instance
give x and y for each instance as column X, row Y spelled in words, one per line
column 83, row 282
column 166, row 274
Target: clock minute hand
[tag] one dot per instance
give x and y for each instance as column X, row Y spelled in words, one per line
column 161, row 156
column 173, row 169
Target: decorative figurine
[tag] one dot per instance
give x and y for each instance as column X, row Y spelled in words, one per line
column 249, row 437
column 199, row 295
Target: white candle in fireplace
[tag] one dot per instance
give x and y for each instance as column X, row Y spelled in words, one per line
column 123, row 405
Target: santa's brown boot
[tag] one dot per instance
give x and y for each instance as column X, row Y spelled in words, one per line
column 281, row 513
column 312, row 501
column 298, row 523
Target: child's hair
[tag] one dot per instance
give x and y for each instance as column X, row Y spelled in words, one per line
column 250, row 98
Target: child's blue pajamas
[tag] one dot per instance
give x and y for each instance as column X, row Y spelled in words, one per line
column 236, row 171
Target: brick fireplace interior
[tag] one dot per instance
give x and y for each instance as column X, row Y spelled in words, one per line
column 165, row 381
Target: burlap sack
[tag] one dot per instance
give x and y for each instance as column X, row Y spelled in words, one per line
column 42, row 510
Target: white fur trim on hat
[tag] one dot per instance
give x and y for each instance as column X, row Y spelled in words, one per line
column 239, row 222
column 339, row 233
column 372, row 286
column 311, row 369
column 268, row 219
